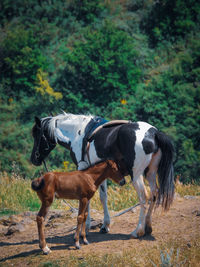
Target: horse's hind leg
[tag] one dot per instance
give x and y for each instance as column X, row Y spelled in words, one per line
column 151, row 178
column 88, row 219
column 138, row 183
column 103, row 198
column 40, row 224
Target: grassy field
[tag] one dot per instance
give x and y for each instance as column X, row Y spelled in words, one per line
column 166, row 255
column 17, row 196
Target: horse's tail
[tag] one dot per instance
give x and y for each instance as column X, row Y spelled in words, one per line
column 165, row 171
column 38, row 184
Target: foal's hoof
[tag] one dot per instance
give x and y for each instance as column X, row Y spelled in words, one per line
column 78, row 246
column 104, row 230
column 148, row 230
column 85, row 242
column 46, row 250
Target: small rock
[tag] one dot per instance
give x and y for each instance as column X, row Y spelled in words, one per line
column 14, row 228
column 3, row 230
column 26, row 221
column 133, row 210
column 189, row 197
column 30, row 213
column 5, row 221
column 196, row 212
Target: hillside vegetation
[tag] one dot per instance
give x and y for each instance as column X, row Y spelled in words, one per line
column 120, row 59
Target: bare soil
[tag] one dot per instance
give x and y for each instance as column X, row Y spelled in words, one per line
column 20, row 247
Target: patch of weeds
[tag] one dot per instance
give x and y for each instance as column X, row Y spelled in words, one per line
column 49, row 264
column 7, row 212
column 168, row 260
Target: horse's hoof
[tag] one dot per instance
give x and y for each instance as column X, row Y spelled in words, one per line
column 46, row 250
column 133, row 236
column 104, row 230
column 136, row 234
column 148, row 230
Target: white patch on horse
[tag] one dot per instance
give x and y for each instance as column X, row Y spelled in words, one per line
column 142, row 159
column 92, row 154
column 68, row 125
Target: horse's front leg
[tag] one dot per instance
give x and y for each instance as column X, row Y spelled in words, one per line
column 88, row 219
column 103, row 198
column 138, row 183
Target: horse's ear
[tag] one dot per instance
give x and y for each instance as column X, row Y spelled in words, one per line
column 37, row 121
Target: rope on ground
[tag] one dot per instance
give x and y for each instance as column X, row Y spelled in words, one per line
column 72, row 209
column 124, row 211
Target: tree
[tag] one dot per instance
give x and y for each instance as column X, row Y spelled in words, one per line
column 102, row 67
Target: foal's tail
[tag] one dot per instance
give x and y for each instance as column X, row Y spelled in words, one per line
column 37, row 184
column 165, row 171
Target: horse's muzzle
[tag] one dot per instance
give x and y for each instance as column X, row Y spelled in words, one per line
column 35, row 161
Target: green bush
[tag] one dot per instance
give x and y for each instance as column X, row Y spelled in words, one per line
column 171, row 19
column 20, row 60
column 102, row 67
column 87, row 11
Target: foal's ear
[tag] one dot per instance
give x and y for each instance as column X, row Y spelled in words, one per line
column 113, row 164
column 37, row 121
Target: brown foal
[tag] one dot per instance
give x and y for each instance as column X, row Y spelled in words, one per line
column 79, row 185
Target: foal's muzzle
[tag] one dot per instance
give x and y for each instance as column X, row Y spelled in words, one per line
column 122, row 182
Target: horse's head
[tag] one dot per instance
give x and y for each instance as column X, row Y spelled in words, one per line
column 43, row 142
column 114, row 173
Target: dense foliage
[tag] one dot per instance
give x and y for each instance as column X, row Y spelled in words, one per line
column 135, row 60
column 170, row 20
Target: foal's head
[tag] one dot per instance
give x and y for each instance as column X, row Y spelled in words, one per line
column 114, row 173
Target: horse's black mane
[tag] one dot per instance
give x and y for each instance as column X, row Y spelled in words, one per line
column 45, row 123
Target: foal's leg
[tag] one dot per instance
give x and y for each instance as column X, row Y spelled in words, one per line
column 151, row 178
column 138, row 183
column 40, row 224
column 83, row 232
column 103, row 198
column 81, row 213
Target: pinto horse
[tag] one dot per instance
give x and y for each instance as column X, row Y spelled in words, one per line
column 79, row 185
column 137, row 147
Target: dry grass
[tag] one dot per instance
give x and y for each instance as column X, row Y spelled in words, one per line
column 188, row 189
column 16, row 195
column 118, row 197
column 165, row 255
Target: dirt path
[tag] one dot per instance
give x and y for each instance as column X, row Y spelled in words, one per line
column 182, row 223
